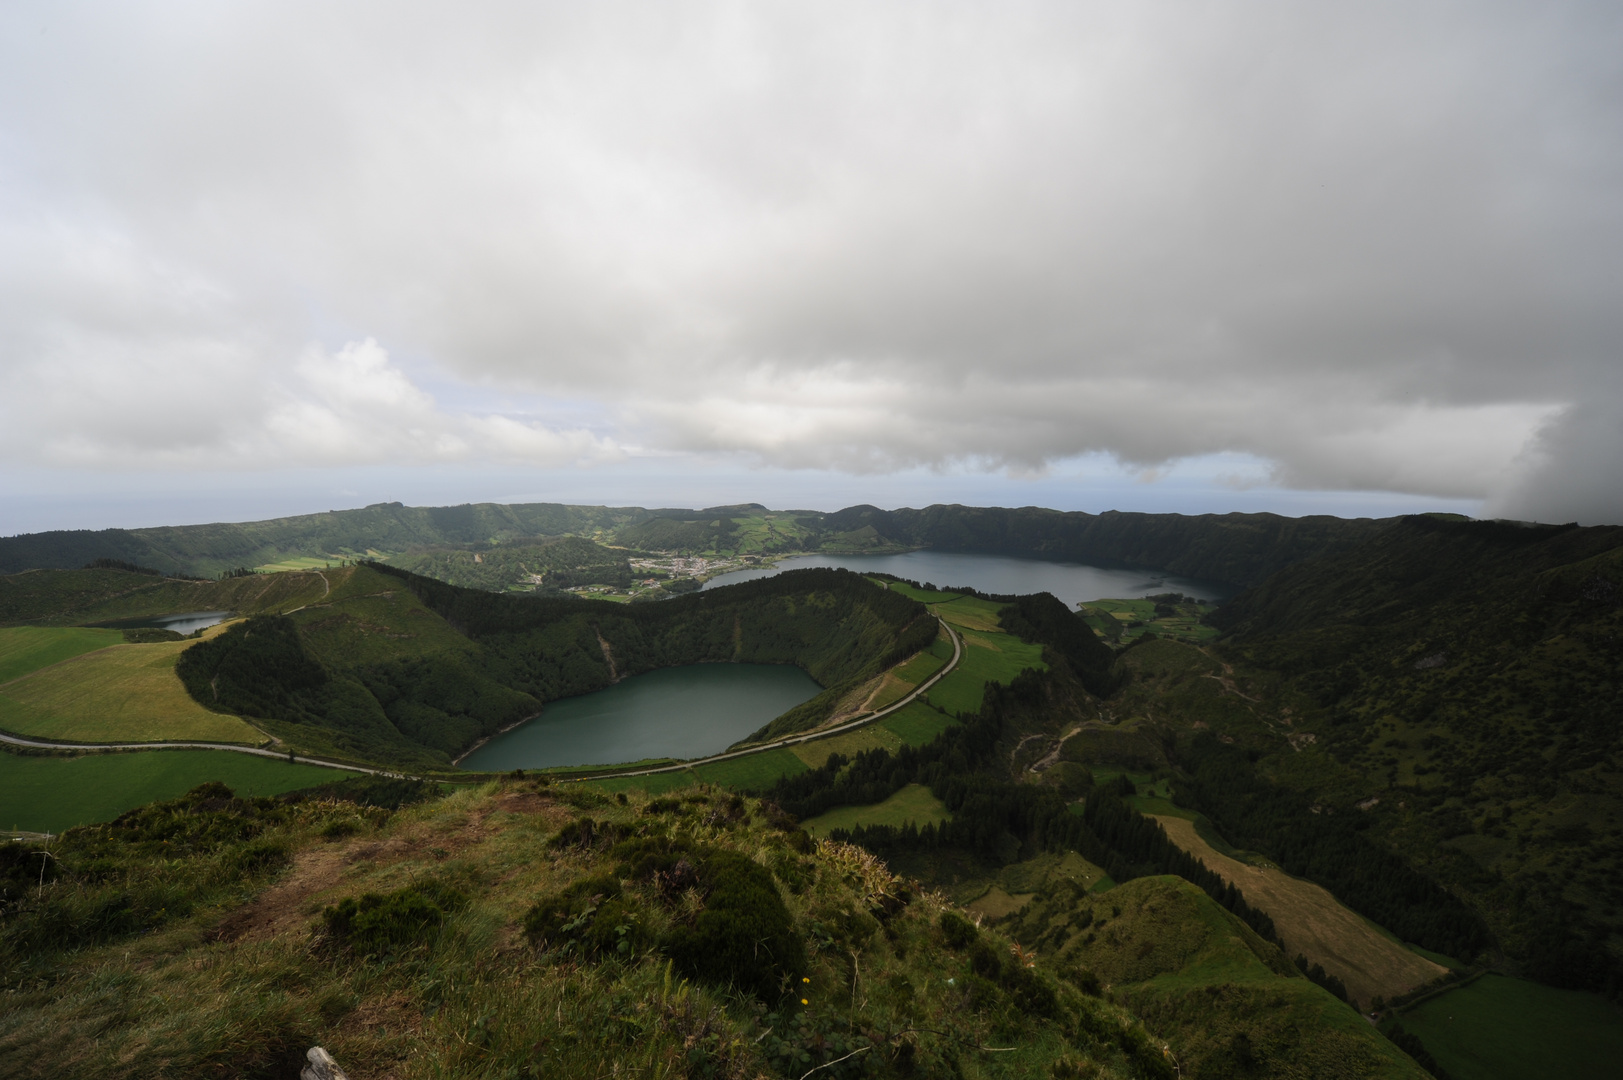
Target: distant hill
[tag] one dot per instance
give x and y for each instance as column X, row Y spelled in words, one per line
column 1235, row 549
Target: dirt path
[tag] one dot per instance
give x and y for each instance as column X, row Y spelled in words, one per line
column 1311, row 921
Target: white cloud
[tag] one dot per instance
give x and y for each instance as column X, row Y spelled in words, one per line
column 1377, row 246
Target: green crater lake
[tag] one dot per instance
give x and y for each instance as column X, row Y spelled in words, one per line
column 682, row 712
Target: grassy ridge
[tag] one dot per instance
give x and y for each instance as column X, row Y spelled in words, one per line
column 232, row 977
column 1231, row 1003
column 50, row 794
column 1312, row 922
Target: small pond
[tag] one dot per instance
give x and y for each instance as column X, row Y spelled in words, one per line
column 1004, row 575
column 683, row 712
column 184, row 623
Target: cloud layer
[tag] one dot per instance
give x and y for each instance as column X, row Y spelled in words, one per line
column 1380, row 247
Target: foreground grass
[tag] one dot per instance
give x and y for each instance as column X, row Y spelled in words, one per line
column 28, row 648
column 1497, row 1028
column 124, row 693
column 914, row 803
column 50, row 794
column 245, row 982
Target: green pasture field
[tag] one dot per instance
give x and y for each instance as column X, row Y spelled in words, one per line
column 50, row 794
column 922, row 666
column 657, row 784
column 28, row 648
column 752, row 772
column 1109, row 619
column 915, row 803
column 993, row 657
column 850, row 743
column 125, row 693
column 917, row 724
column 302, row 562
column 924, row 596
column 971, row 612
column 1497, row 1028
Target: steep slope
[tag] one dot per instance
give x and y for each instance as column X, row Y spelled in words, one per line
column 1232, row 1002
column 1457, row 689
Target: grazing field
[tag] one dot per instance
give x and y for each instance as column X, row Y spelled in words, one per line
column 914, row 803
column 125, row 693
column 1498, row 1028
column 917, row 724
column 1314, row 923
column 753, row 771
column 28, row 648
column 657, row 784
column 970, row 612
column 303, row 562
column 49, row 794
column 850, row 743
column 923, row 596
column 1121, row 621
column 988, row 657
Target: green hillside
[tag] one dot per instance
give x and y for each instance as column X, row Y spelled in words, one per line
column 1454, row 687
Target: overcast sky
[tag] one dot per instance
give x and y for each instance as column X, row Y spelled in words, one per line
column 1349, row 258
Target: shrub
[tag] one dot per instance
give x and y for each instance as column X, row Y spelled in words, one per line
column 744, row 936
column 959, row 931
column 378, row 923
column 590, row 916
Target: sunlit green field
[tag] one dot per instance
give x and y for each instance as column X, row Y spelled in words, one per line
column 914, row 803
column 49, row 794
column 28, row 648
column 124, row 693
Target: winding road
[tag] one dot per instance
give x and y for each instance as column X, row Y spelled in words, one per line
column 15, row 740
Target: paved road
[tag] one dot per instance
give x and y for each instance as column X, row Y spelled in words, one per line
column 957, row 654
column 280, row 756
